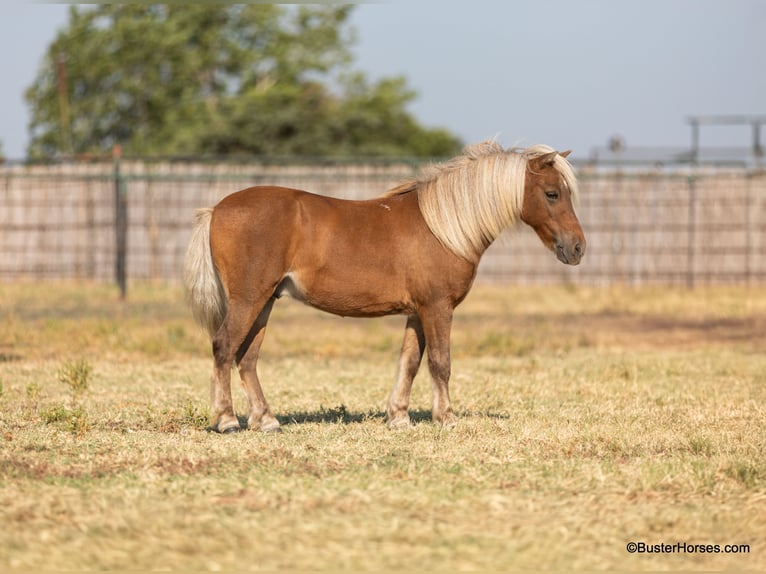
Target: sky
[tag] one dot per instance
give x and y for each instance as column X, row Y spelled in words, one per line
column 567, row 73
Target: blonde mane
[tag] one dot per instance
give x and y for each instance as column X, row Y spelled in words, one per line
column 469, row 200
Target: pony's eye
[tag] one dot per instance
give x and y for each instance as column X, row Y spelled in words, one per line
column 552, row 195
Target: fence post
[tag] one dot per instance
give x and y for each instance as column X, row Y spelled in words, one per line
column 692, row 232
column 748, row 227
column 120, row 224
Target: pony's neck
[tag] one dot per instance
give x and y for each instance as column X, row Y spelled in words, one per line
column 468, row 206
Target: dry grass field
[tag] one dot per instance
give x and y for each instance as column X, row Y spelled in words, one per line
column 589, row 418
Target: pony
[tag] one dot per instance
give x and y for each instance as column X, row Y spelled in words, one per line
column 414, row 251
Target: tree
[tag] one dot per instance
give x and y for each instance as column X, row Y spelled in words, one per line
column 215, row 78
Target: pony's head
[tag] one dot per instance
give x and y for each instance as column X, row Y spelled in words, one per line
column 549, row 190
column 468, row 201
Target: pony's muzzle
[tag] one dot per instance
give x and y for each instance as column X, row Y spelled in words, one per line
column 569, row 250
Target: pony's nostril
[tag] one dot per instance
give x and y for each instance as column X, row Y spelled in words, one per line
column 578, row 248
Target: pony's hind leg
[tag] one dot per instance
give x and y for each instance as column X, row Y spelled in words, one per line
column 259, row 416
column 413, row 345
column 222, row 415
column 227, row 341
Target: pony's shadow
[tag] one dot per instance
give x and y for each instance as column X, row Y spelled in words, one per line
column 341, row 415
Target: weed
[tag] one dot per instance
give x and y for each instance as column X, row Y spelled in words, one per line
column 194, row 416
column 700, row 445
column 33, row 390
column 76, row 375
column 55, row 414
column 172, row 419
column 745, row 472
column 74, row 419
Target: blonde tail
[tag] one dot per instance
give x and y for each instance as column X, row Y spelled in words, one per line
column 204, row 291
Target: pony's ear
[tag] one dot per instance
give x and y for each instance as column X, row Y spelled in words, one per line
column 547, row 159
column 565, row 153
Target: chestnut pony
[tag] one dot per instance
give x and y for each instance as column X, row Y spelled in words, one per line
column 411, row 251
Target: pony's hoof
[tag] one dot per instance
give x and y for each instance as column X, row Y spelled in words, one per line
column 399, row 423
column 271, row 427
column 231, row 430
column 449, row 421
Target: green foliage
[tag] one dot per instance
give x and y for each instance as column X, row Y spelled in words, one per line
column 76, row 375
column 216, row 78
column 747, row 473
column 194, row 416
column 74, row 420
column 190, row 416
column 33, row 390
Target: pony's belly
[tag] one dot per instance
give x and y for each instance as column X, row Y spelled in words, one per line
column 345, row 297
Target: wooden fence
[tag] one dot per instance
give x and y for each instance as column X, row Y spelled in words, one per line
column 689, row 228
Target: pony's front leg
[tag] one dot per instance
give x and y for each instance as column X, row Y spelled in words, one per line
column 409, row 361
column 437, row 324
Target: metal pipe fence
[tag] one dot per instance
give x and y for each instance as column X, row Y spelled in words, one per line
column 131, row 221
